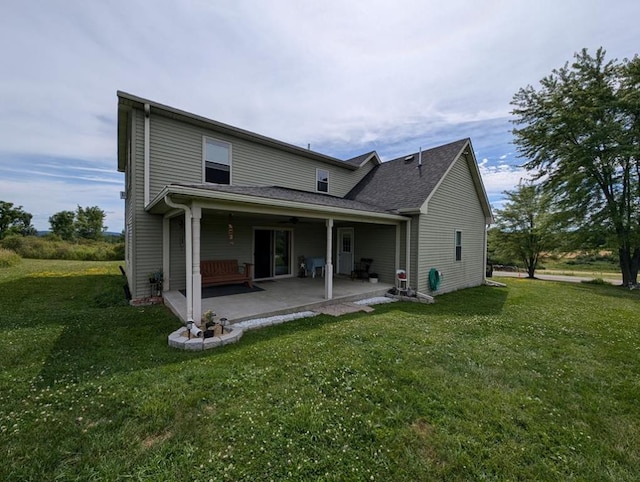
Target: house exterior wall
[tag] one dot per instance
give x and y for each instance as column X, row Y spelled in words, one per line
column 308, row 240
column 455, row 205
column 145, row 230
column 176, row 156
column 175, row 152
column 377, row 242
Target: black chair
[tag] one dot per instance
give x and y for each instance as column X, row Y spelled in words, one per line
column 361, row 269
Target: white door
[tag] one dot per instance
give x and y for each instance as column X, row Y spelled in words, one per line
column 345, row 250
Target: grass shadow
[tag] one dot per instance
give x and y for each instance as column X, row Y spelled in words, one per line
column 95, row 331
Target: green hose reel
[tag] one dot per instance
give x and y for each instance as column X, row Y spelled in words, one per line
column 435, row 278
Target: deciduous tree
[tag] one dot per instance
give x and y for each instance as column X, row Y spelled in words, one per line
column 525, row 226
column 580, row 134
column 63, row 224
column 90, row 222
column 15, row 220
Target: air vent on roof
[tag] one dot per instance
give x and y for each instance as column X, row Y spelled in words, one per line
column 408, row 159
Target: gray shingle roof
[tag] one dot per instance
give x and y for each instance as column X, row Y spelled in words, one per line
column 285, row 194
column 399, row 184
column 356, row 161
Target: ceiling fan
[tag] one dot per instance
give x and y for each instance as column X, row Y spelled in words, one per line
column 292, row 220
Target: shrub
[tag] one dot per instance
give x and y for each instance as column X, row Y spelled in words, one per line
column 52, row 248
column 8, row 258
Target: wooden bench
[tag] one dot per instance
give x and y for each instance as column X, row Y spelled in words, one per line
column 225, row 272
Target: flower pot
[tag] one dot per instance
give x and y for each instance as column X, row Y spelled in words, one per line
column 373, row 280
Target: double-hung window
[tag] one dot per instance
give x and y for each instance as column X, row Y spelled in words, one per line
column 217, row 161
column 322, row 180
column 458, row 239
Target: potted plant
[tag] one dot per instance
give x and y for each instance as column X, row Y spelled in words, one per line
column 373, row 277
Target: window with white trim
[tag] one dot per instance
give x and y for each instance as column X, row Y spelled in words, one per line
column 216, row 156
column 458, row 245
column 322, row 180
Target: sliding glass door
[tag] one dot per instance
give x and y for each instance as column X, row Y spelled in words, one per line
column 272, row 252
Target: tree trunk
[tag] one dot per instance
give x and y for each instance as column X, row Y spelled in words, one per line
column 635, row 263
column 629, row 264
column 531, row 267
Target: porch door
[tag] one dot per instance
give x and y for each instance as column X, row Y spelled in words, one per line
column 262, row 254
column 345, row 250
column 272, row 253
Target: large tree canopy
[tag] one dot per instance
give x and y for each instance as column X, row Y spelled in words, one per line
column 580, row 131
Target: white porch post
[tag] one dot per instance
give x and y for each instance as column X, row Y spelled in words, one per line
column 328, row 271
column 408, row 253
column 196, row 212
column 397, row 247
column 166, row 247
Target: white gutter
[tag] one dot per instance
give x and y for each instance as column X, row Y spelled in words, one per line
column 189, row 253
column 147, row 114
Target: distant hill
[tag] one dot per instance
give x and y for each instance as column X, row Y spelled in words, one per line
column 108, row 234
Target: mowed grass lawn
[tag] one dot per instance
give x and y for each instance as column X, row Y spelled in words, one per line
column 535, row 381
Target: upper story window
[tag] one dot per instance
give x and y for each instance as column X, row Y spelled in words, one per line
column 217, row 161
column 458, row 245
column 322, row 180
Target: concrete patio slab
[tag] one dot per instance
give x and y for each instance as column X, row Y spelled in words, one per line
column 286, row 295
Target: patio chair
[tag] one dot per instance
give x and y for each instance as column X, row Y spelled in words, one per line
column 361, row 269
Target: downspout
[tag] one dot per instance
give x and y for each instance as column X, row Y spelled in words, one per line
column 147, row 175
column 189, row 259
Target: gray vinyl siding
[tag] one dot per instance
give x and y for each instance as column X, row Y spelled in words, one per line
column 377, row 242
column 176, row 156
column 129, row 203
column 455, row 205
column 146, row 229
column 308, row 240
column 177, row 261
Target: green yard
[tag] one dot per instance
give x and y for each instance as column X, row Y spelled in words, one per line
column 536, row 381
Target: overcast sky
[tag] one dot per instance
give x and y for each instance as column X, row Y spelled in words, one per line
column 344, row 76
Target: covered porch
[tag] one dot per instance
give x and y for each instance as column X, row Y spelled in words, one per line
column 273, row 230
column 278, row 297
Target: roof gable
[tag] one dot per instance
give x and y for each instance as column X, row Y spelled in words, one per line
column 406, row 183
column 362, row 159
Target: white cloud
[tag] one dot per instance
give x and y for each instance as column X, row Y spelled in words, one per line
column 503, row 178
column 339, row 75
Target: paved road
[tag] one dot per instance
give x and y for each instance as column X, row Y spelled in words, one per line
column 553, row 277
